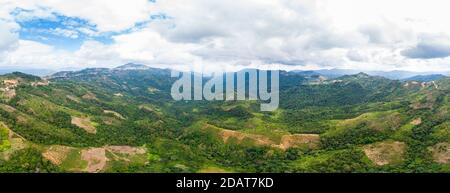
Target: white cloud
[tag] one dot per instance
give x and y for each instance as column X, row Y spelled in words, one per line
column 8, row 39
column 93, row 53
column 375, row 35
column 34, row 14
column 108, row 15
column 33, row 54
column 435, row 46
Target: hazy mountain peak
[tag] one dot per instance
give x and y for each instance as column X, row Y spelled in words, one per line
column 359, row 76
column 425, row 78
column 362, row 75
column 132, row 66
column 21, row 76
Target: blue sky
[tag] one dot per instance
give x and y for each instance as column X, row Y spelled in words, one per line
column 61, row 32
column 288, row 34
column 67, row 33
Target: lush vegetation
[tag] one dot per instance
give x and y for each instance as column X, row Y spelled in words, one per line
column 352, row 116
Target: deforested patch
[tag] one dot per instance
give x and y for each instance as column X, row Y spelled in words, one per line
column 89, row 96
column 417, row 121
column 95, row 158
column 73, row 98
column 240, row 137
column 441, row 153
column 84, row 123
column 126, row 150
column 116, row 114
column 385, row 153
column 56, row 154
column 310, row 141
column 7, row 108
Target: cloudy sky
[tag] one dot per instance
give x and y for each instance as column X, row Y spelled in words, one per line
column 294, row 34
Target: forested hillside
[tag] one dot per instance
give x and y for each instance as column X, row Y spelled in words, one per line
column 124, row 120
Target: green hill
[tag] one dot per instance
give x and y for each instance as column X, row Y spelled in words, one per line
column 124, row 120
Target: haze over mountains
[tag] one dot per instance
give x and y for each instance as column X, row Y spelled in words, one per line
column 393, row 75
column 36, row 72
column 330, row 73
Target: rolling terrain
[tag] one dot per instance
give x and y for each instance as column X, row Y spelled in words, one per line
column 124, row 120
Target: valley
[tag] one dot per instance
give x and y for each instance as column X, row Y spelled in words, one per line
column 125, row 120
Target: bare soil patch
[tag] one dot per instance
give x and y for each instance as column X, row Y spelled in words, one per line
column 11, row 83
column 7, row 108
column 10, row 94
column 118, row 115
column 89, row 96
column 126, row 150
column 57, row 154
column 311, row 141
column 385, row 152
column 22, row 119
column 95, row 158
column 147, row 108
column 258, row 139
column 109, row 120
column 84, row 123
column 417, row 121
column 441, row 153
column 40, row 83
column 73, row 98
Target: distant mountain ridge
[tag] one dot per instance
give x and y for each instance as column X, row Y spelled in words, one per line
column 328, row 73
column 132, row 66
column 425, row 78
column 33, row 71
column 393, row 75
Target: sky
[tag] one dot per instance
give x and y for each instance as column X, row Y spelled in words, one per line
column 383, row 35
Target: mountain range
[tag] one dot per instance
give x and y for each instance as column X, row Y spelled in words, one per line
column 331, row 73
column 124, row 120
